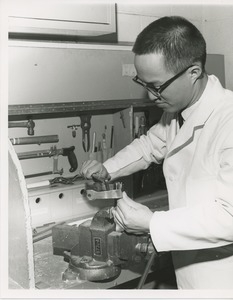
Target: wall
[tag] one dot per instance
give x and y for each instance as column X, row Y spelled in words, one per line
column 46, row 73
column 136, row 17
column 217, row 26
column 66, row 74
column 214, row 21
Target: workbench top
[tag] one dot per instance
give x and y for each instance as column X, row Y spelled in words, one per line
column 49, row 269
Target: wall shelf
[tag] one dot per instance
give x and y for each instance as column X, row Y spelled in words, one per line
column 71, row 109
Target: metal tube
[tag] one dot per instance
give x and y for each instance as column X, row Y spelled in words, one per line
column 35, row 140
column 38, row 174
column 17, row 124
column 34, row 154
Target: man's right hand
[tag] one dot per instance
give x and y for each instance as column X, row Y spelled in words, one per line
column 92, row 169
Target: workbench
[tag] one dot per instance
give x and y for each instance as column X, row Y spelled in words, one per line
column 49, row 268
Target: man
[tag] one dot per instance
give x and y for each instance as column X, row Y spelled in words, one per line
column 170, row 59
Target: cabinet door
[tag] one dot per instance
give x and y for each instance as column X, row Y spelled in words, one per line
column 60, row 17
column 123, row 135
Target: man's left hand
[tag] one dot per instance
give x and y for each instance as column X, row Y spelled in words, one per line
column 131, row 216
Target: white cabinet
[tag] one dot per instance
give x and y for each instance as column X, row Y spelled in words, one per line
column 62, row 203
column 61, row 17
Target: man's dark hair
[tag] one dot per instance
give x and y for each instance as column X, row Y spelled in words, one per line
column 180, row 42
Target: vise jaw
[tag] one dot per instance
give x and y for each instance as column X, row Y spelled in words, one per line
column 96, row 251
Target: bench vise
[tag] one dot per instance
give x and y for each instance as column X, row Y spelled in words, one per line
column 97, row 252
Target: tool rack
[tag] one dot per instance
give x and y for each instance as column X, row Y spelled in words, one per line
column 68, row 109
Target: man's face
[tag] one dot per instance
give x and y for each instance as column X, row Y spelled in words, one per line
column 177, row 96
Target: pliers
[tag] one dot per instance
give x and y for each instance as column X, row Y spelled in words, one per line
column 86, row 125
column 63, row 180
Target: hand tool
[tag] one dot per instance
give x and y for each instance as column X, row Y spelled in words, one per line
column 93, row 142
column 28, row 124
column 111, row 140
column 74, row 129
column 104, row 141
column 35, row 140
column 55, row 181
column 136, row 127
column 38, row 174
column 142, row 126
column 104, row 136
column 65, row 180
column 86, row 125
column 55, row 165
column 122, row 118
column 53, row 152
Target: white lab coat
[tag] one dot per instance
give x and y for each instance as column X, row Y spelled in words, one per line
column 198, row 167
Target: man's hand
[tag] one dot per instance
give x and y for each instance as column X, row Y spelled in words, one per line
column 93, row 168
column 131, row 216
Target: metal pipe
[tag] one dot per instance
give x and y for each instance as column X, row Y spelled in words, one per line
column 38, row 174
column 35, row 154
column 35, row 140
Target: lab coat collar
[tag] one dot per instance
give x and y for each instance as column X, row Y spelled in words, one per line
column 208, row 101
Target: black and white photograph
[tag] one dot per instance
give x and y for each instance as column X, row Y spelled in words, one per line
column 116, row 149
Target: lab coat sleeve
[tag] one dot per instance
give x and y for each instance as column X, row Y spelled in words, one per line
column 141, row 152
column 206, row 225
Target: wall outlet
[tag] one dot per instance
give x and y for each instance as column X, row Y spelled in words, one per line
column 128, row 70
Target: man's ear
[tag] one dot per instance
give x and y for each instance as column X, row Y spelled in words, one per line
column 195, row 72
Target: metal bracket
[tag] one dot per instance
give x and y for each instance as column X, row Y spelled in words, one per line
column 114, row 193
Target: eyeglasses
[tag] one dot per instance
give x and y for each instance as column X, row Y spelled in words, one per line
column 156, row 91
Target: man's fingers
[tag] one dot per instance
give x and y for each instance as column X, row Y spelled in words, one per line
column 128, row 201
column 90, row 167
column 119, row 212
column 117, row 219
column 125, row 204
column 119, row 228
